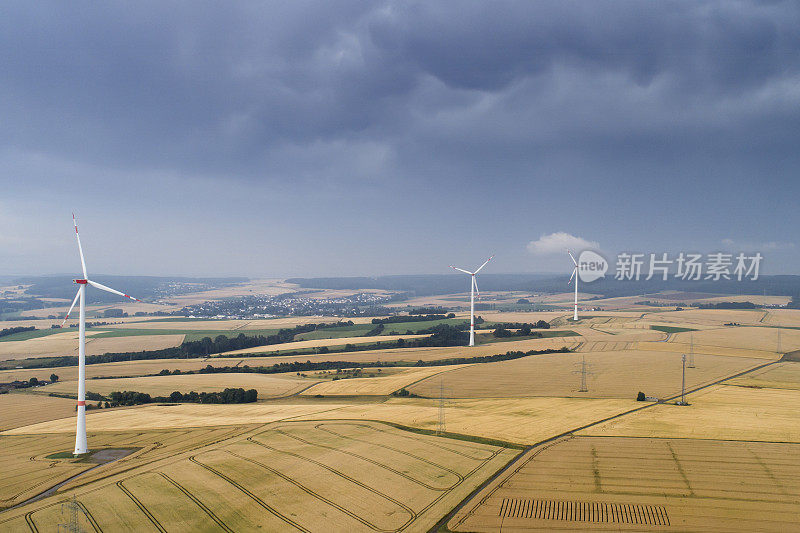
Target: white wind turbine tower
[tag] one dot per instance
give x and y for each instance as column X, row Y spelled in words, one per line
column 574, row 275
column 473, row 288
column 81, row 446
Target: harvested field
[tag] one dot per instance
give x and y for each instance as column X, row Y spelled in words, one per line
column 67, row 344
column 777, row 376
column 378, row 386
column 267, row 385
column 614, row 484
column 744, row 338
column 615, row 374
column 718, row 412
column 523, row 421
column 185, row 415
column 21, row 409
column 710, row 317
column 515, row 420
column 338, row 475
column 685, row 347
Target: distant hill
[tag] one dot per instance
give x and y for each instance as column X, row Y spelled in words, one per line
column 142, row 287
column 428, row 285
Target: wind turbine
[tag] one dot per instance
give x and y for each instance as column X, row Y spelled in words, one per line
column 574, row 275
column 473, row 288
column 81, row 446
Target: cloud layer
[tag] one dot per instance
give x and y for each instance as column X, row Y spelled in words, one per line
column 302, row 134
column 559, row 243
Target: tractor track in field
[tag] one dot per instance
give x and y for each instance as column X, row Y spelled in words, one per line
column 252, row 496
column 411, row 513
column 409, row 454
column 30, row 522
column 90, row 517
column 340, row 474
column 200, row 504
column 372, row 461
column 141, row 506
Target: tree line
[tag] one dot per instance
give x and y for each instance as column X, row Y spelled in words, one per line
column 229, row 395
column 411, row 318
column 19, row 329
column 308, row 366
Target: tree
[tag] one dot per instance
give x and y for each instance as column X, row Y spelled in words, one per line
column 33, row 382
column 640, row 397
column 53, row 378
column 164, row 372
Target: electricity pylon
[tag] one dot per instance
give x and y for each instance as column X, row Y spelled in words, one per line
column 583, row 371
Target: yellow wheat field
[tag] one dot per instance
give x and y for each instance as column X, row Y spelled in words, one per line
column 67, row 344
column 336, row 475
column 612, row 374
column 612, row 484
column 377, row 385
column 21, row 409
column 777, row 376
column 185, row 415
column 719, row 412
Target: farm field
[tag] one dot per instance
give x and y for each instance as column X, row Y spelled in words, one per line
column 777, row 376
column 300, row 345
column 20, row 409
column 336, row 475
column 522, row 421
column 267, row 385
column 378, row 386
column 665, row 484
column 30, row 471
column 747, row 338
column 302, row 445
column 655, row 373
column 66, row 344
column 718, row 412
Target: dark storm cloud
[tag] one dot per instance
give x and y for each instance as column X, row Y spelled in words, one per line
column 233, row 87
column 331, row 124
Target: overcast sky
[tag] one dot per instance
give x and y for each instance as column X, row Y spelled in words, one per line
column 363, row 138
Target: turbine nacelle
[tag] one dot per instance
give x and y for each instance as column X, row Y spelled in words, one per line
column 81, row 281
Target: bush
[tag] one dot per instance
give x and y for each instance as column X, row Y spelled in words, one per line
column 640, row 397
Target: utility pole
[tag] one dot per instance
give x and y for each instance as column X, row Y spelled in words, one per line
column 583, row 371
column 683, row 382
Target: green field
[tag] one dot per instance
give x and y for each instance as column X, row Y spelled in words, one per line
column 35, row 334
column 671, row 329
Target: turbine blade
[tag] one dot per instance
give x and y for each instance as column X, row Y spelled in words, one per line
column 574, row 270
column 71, row 307
column 475, row 284
column 573, row 259
column 461, row 270
column 80, row 248
column 109, row 289
column 483, row 265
